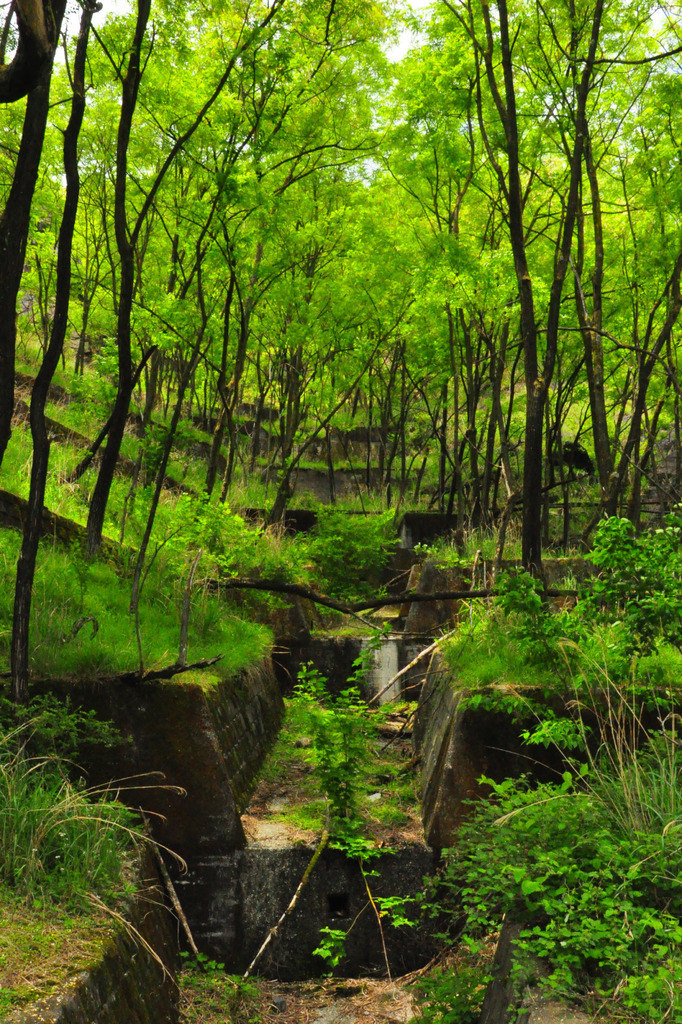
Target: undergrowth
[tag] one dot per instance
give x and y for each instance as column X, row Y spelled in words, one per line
column 41, row 944
column 59, row 841
column 81, row 623
column 590, row 870
column 67, row 853
column 588, row 867
column 210, row 996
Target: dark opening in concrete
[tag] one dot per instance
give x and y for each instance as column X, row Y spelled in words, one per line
column 338, row 904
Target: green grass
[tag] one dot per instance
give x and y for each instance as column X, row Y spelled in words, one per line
column 41, row 946
column 69, row 500
column 66, row 854
column 57, row 845
column 69, row 590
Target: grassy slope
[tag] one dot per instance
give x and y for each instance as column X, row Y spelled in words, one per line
column 69, row 590
column 40, row 946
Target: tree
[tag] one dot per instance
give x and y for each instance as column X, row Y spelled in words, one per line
column 128, row 235
column 38, row 24
column 30, row 72
column 41, row 443
column 497, row 71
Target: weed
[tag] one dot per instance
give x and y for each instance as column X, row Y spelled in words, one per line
column 351, row 550
column 338, row 727
column 451, row 995
column 588, row 866
column 210, row 995
column 51, row 728
column 57, row 841
column 339, row 732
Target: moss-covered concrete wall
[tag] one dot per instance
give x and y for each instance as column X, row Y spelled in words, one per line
column 266, row 877
column 190, row 753
column 457, row 744
column 206, row 744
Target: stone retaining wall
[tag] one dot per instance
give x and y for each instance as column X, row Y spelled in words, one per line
column 457, row 744
column 206, row 744
column 265, row 877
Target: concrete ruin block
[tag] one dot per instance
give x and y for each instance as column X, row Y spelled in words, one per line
column 426, row 527
column 335, row 896
column 384, row 666
column 333, row 657
column 426, row 618
column 458, row 744
column 208, row 742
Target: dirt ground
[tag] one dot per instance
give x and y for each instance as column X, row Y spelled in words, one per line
column 319, row 1001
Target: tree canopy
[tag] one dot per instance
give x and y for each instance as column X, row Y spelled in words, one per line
column 247, row 213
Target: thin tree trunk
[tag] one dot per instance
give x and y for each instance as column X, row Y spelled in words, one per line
column 126, row 251
column 443, row 448
column 41, row 444
column 14, row 228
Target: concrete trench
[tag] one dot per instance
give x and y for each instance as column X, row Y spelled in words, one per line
column 213, row 741
column 265, row 873
column 210, row 743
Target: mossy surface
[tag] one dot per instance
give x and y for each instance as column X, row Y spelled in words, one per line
column 111, row 966
column 41, row 947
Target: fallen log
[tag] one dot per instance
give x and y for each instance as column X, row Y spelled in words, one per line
column 405, row 597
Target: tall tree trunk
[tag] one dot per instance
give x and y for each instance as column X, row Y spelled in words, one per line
column 219, row 429
column 126, row 240
column 161, row 473
column 39, row 23
column 443, row 448
column 126, row 251
column 14, row 228
column 538, row 379
column 41, row 444
column 594, row 352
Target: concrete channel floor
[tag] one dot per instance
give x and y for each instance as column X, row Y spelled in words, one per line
column 351, row 1001
column 378, row 1001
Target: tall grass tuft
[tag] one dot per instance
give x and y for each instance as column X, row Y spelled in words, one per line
column 58, row 841
column 635, row 759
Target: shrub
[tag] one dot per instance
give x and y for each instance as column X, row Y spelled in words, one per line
column 638, row 583
column 589, row 866
column 339, row 729
column 351, row 550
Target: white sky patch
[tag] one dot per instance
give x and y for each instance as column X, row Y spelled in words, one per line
column 73, row 13
column 409, row 39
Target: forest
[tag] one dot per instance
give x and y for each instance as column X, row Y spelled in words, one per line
column 458, row 273
column 429, row 259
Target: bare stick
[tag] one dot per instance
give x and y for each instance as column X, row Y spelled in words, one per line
column 170, row 889
column 294, row 900
column 186, row 607
column 162, row 673
column 377, row 913
column 298, row 590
